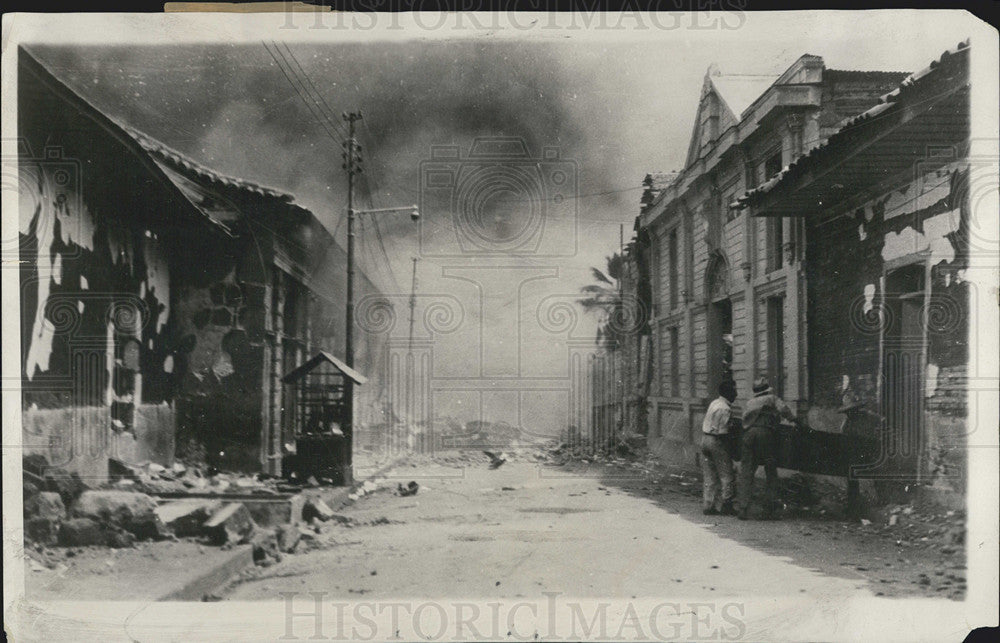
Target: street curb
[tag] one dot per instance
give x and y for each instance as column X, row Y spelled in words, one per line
column 339, row 499
column 214, row 578
column 242, row 558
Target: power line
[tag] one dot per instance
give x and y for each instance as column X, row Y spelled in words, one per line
column 383, row 265
column 316, row 92
column 321, row 121
column 323, row 114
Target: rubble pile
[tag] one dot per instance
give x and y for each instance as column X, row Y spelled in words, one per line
column 62, row 514
column 912, row 526
column 155, row 479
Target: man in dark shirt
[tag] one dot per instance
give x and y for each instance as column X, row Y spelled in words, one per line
column 761, row 416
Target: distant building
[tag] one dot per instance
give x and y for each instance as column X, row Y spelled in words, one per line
column 884, row 206
column 161, row 302
column 728, row 290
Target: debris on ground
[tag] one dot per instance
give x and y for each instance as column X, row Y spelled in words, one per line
column 287, row 538
column 232, row 524
column 496, row 459
column 128, row 510
column 265, row 548
column 316, row 508
column 187, row 516
column 409, row 490
column 815, row 505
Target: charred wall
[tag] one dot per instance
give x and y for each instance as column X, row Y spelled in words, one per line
column 98, row 240
column 854, row 262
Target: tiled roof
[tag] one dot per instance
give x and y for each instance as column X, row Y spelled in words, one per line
column 181, row 172
column 854, row 73
column 197, row 171
column 894, row 100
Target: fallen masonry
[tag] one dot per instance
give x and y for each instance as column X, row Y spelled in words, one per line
column 151, row 502
column 186, row 517
column 232, row 524
column 133, row 512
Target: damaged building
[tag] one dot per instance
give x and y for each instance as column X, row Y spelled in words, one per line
column 885, row 208
column 163, row 302
column 729, row 289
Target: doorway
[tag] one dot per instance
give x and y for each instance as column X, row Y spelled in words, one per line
column 720, row 344
column 902, row 370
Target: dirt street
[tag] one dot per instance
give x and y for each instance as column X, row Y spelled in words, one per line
column 586, row 530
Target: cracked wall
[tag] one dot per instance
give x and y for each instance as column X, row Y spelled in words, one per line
column 921, row 226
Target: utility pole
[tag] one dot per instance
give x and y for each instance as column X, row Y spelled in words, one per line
column 413, row 301
column 352, row 163
column 411, row 367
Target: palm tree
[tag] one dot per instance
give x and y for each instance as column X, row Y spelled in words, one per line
column 605, row 298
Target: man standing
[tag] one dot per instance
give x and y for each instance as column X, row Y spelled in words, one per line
column 760, row 446
column 716, row 464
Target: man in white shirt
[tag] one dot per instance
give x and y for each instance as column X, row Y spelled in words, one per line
column 716, row 463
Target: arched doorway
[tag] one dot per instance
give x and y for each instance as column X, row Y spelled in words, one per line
column 720, row 322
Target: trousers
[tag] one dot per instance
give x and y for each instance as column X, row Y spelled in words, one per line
column 717, row 471
column 759, row 448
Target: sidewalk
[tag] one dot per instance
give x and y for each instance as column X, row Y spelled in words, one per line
column 154, row 571
column 151, row 571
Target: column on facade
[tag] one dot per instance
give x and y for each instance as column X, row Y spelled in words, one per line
column 795, row 285
column 687, row 226
column 750, row 271
column 656, row 342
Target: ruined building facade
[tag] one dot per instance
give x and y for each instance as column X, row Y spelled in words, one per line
column 885, row 207
column 162, row 302
column 729, row 290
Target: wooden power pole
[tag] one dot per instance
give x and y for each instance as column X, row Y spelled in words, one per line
column 352, row 163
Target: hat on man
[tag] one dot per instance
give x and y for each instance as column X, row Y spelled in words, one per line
column 761, row 387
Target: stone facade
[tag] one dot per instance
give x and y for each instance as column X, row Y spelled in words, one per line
column 728, row 289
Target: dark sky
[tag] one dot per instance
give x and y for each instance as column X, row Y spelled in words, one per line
column 617, row 108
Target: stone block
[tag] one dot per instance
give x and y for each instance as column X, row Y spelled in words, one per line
column 131, row 511
column 288, row 537
column 82, row 532
column 41, row 530
column 230, row 524
column 68, row 485
column 316, row 508
column 186, row 517
column 50, row 506
column 265, row 548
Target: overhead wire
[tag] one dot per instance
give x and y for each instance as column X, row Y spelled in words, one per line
column 320, row 109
